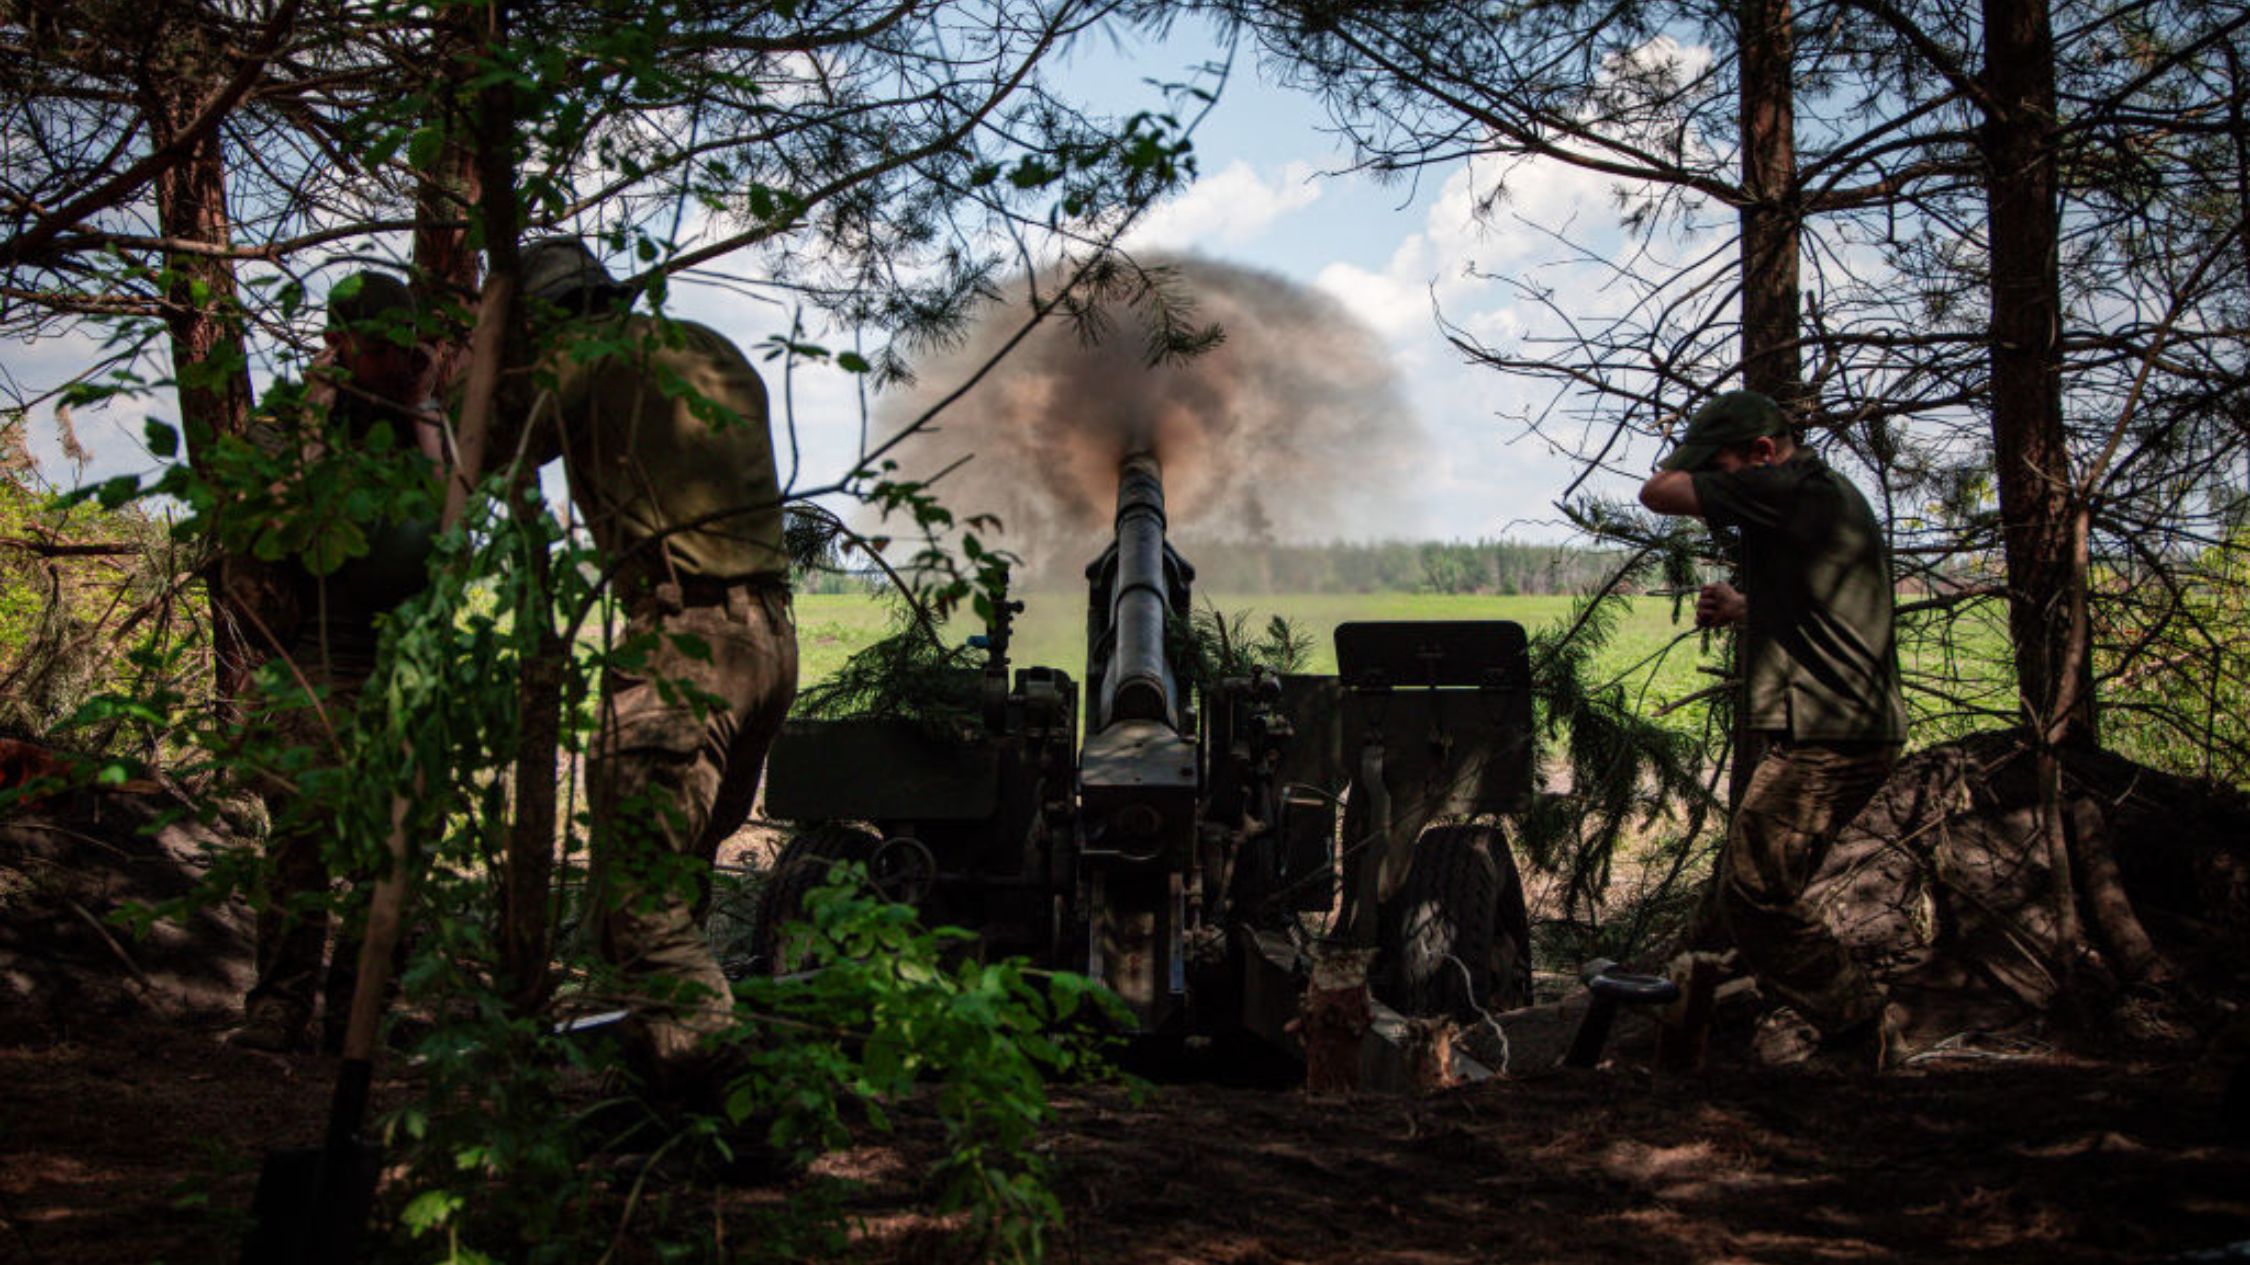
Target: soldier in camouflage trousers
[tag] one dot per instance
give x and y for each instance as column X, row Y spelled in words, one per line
column 670, row 463
column 1822, row 686
column 321, row 632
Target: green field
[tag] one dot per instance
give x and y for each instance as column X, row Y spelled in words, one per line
column 1956, row 672
column 1052, row 629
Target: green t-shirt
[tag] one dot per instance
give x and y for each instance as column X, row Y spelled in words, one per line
column 335, row 614
column 1821, row 661
column 665, row 429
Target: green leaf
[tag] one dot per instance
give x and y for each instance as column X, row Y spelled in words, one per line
column 429, row 1210
column 386, row 144
column 162, row 439
column 115, row 492
column 329, row 550
column 1066, row 989
column 424, row 148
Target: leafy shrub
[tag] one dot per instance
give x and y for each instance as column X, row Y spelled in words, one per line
column 526, row 1145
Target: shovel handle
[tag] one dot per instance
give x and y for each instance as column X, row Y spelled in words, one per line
column 385, row 911
column 313, row 1223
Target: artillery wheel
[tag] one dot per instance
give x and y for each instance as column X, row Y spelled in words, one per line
column 1462, row 901
column 803, row 865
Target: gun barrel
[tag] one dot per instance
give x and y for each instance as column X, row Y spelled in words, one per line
column 1138, row 769
column 1140, row 684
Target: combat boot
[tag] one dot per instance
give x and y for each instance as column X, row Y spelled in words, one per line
column 1784, row 1038
column 1902, row 1042
column 273, row 1026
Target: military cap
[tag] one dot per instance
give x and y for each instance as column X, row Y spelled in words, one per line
column 365, row 297
column 1734, row 418
column 562, row 271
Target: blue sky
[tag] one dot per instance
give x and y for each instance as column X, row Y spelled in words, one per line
column 1273, row 193
column 1268, row 196
column 1263, row 199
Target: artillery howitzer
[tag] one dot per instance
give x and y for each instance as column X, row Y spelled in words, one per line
column 1203, row 836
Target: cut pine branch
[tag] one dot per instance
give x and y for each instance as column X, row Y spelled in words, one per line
column 71, row 548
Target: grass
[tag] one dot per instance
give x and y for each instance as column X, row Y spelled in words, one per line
column 1052, row 630
column 1956, row 668
column 1954, row 661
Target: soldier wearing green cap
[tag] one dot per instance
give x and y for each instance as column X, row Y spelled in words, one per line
column 320, row 631
column 663, row 433
column 1821, row 684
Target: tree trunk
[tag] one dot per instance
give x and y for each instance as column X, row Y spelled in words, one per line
column 2239, row 129
column 202, row 313
column 1770, row 221
column 2044, row 552
column 1770, row 216
column 526, row 933
column 497, row 346
column 446, row 268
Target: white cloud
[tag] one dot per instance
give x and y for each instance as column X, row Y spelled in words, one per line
column 1490, row 225
column 111, row 434
column 1490, row 222
column 1663, row 62
column 1393, row 307
column 1496, row 231
column 1227, row 209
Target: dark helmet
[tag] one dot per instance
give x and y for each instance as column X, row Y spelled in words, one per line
column 562, row 271
column 365, row 298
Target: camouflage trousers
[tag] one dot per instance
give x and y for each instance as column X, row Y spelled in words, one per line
column 674, row 772
column 294, row 911
column 1800, row 796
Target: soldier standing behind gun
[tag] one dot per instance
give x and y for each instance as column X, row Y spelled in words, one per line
column 1822, row 683
column 323, row 629
column 670, row 462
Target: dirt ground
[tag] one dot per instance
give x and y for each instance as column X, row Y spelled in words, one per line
column 131, row 1135
column 139, row 1141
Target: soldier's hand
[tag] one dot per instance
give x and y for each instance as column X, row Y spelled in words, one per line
column 1718, row 605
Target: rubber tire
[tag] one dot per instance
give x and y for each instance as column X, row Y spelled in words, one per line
column 803, row 865
column 1462, row 899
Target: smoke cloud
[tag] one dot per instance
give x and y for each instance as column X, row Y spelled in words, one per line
column 1292, row 429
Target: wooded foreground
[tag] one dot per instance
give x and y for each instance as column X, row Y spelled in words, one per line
column 1995, row 260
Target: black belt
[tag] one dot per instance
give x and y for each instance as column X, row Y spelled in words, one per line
column 706, row 590
column 1780, row 740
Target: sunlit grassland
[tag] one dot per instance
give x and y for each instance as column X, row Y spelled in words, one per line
column 1955, row 670
column 1052, row 629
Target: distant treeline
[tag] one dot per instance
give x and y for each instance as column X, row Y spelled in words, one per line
column 1392, row 566
column 1397, row 566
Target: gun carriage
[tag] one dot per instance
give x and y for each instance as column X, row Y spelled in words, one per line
column 1199, row 838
